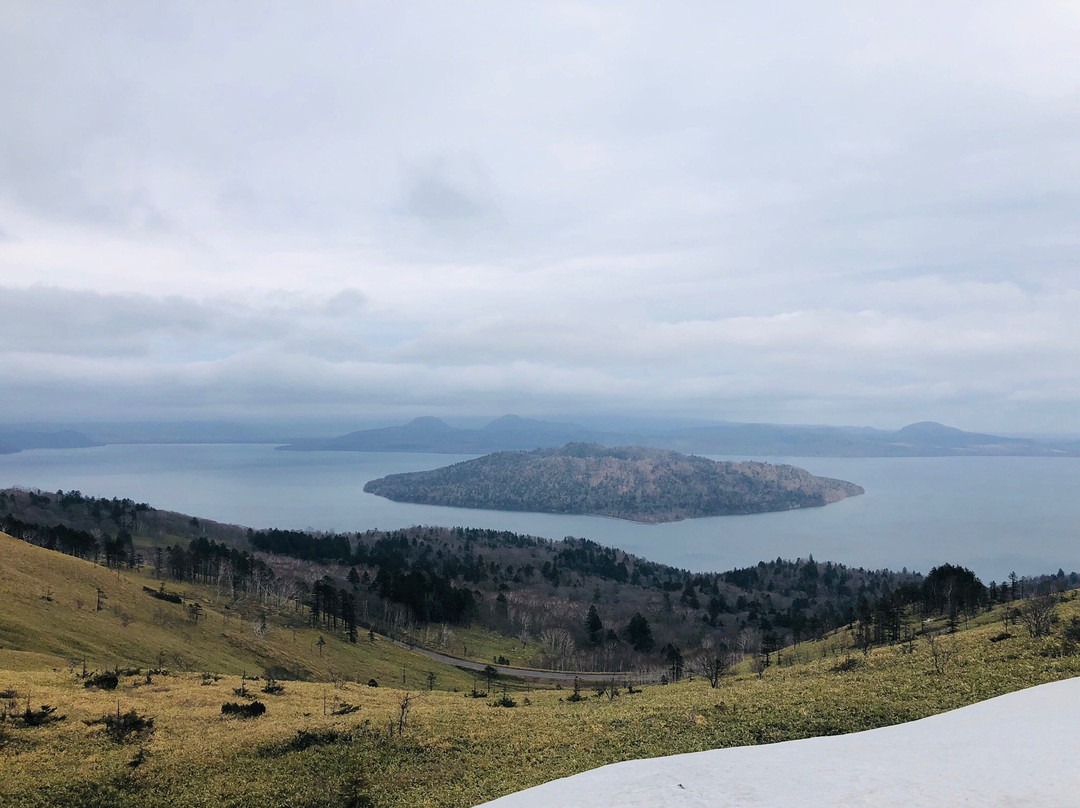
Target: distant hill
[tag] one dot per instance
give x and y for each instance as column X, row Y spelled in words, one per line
column 627, row 482
column 924, row 439
column 433, row 435
column 512, row 433
column 17, row 441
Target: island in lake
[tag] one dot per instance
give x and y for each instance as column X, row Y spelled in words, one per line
column 626, row 482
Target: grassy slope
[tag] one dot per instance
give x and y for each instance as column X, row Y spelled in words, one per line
column 159, row 633
column 459, row 751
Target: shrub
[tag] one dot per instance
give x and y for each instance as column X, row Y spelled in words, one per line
column 106, row 680
column 272, row 687
column 1071, row 632
column 847, row 665
column 576, row 695
column 505, row 701
column 344, row 709
column 253, row 710
column 305, row 740
column 39, row 718
column 161, row 594
column 128, row 726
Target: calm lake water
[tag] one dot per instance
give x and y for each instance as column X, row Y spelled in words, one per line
column 993, row 515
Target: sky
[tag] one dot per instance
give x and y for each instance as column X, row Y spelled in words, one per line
column 838, row 213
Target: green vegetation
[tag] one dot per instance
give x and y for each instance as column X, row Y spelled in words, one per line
column 83, row 613
column 628, row 482
column 483, row 595
column 399, row 748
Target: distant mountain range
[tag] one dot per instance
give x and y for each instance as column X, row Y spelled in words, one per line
column 626, row 482
column 512, row 433
column 433, row 435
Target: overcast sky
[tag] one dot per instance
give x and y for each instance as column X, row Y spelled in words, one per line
column 845, row 213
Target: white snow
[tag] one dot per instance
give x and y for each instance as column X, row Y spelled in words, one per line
column 1015, row 751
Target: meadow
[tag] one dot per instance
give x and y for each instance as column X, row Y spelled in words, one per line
column 340, row 741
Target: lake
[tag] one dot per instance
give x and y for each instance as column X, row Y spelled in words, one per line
column 994, row 515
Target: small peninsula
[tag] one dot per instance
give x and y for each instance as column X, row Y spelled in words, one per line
column 636, row 483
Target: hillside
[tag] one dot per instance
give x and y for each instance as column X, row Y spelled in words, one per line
column 628, row 482
column 51, row 606
column 454, row 752
column 504, row 595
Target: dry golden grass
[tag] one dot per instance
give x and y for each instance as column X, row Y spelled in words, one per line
column 48, row 605
column 458, row 751
column 455, row 750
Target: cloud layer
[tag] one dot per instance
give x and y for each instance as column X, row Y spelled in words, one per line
column 837, row 213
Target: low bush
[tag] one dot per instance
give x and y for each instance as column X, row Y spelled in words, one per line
column 106, row 680
column 124, row 727
column 305, row 739
column 272, row 687
column 161, row 594
column 252, row 710
column 39, row 718
column 847, row 664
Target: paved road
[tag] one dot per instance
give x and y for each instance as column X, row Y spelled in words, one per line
column 525, row 673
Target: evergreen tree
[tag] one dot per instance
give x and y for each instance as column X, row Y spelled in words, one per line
column 594, row 626
column 639, row 634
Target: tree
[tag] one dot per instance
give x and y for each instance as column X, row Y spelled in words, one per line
column 403, row 713
column 1038, row 614
column 639, row 634
column 712, row 666
column 594, row 626
column 942, row 652
column 716, row 608
column 769, row 642
column 673, row 655
column 689, row 596
column 952, row 589
column 490, row 673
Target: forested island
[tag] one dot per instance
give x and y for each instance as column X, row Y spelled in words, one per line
column 628, row 482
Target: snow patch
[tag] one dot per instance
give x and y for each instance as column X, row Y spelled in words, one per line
column 1021, row 750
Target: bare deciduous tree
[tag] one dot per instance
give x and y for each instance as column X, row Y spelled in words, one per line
column 712, row 666
column 1039, row 614
column 942, row 652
